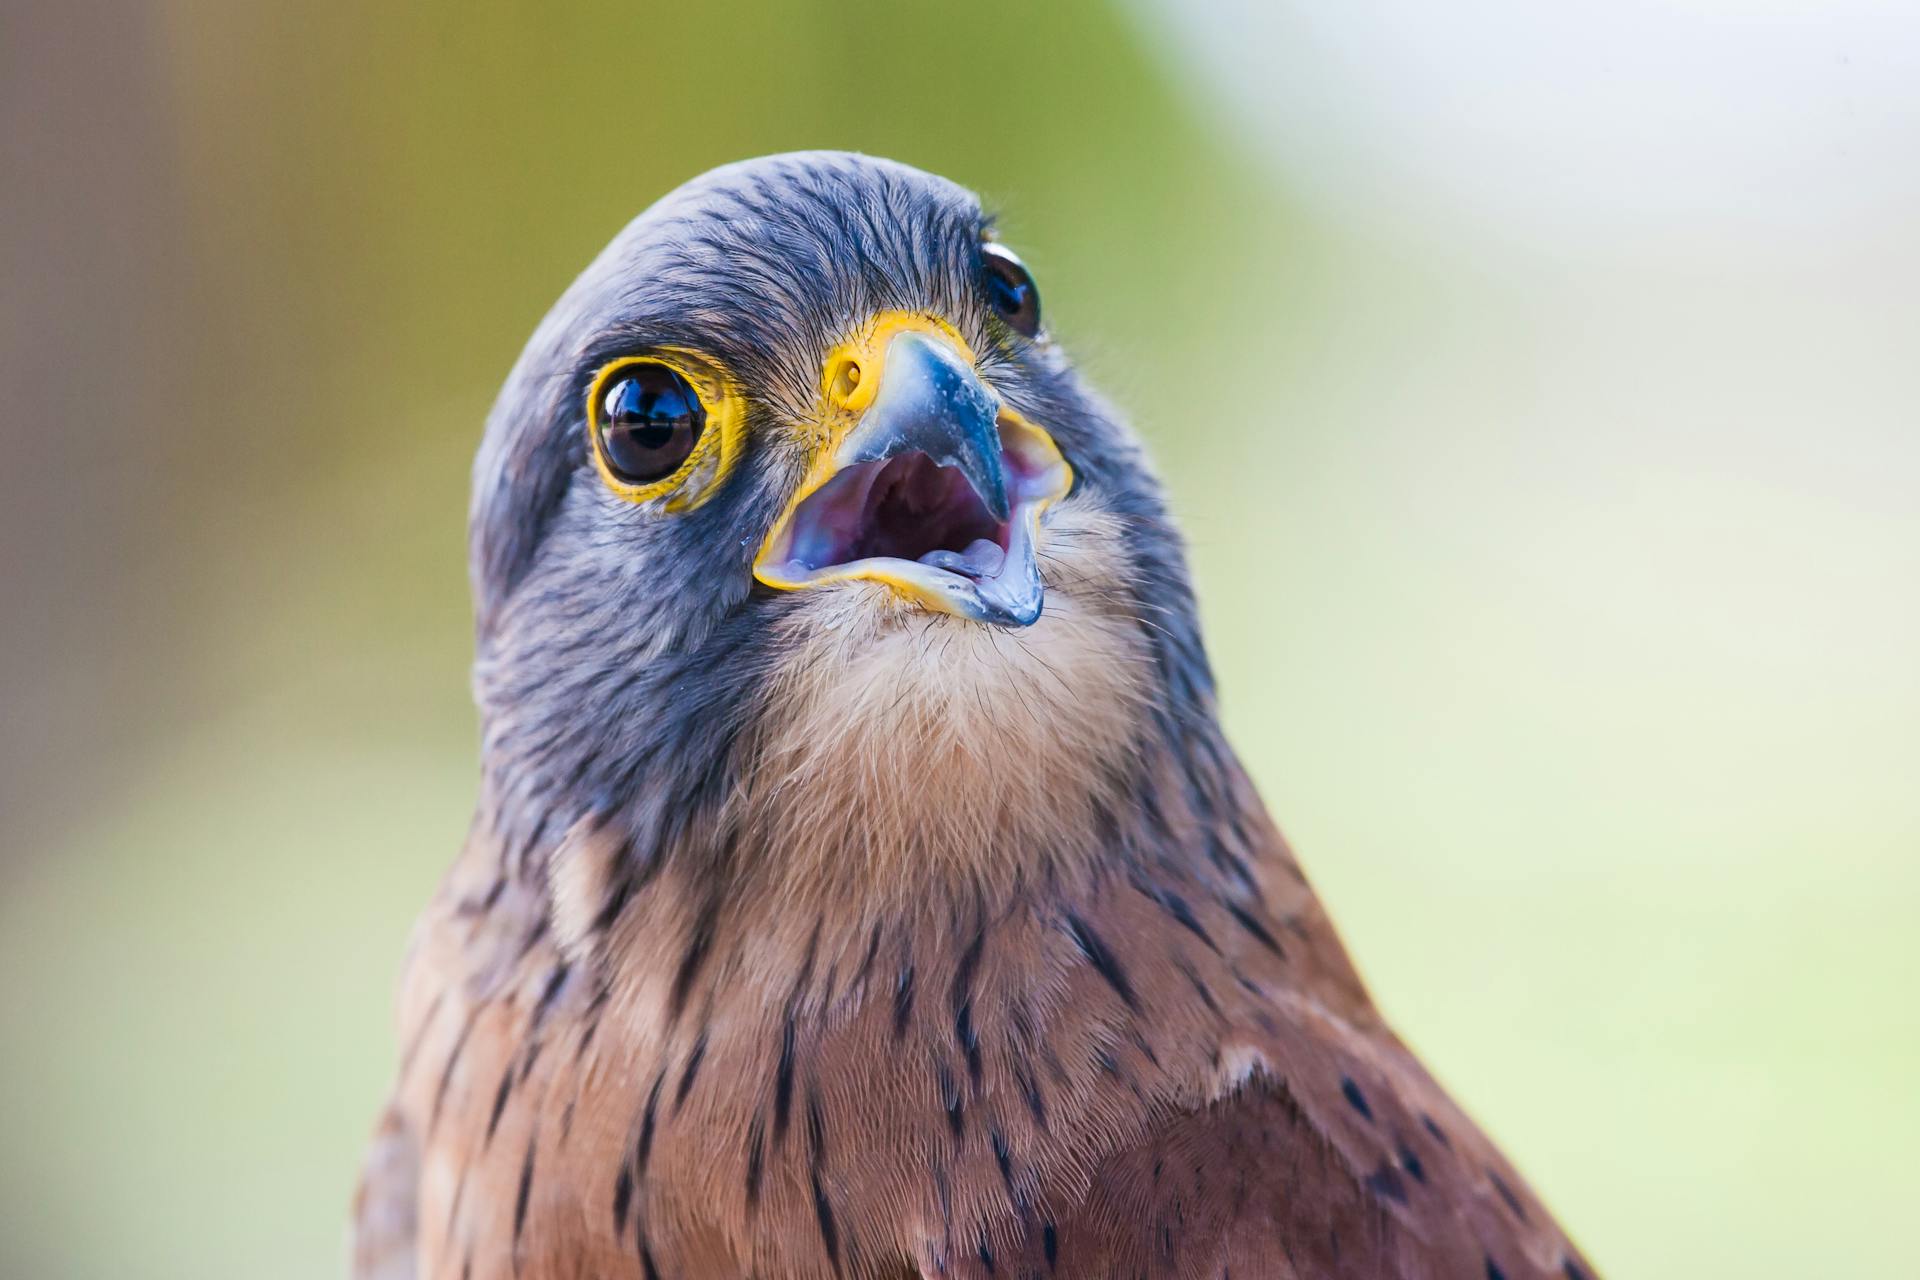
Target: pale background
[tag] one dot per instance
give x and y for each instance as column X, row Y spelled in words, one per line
column 1537, row 383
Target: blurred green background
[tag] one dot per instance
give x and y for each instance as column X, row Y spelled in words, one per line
column 1537, row 385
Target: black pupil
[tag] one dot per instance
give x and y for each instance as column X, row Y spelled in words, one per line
column 651, row 421
column 1013, row 293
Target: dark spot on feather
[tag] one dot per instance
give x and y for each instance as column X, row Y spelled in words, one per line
column 873, row 949
column 902, row 1002
column 986, row 1255
column 692, row 1069
column 616, row 902
column 1231, row 863
column 950, row 1099
column 1002, row 1157
column 500, row 1101
column 548, row 993
column 591, row 1019
column 1050, row 1241
column 816, row 1128
column 969, row 1041
column 1101, row 959
column 1355, row 1099
column 1387, row 1183
column 1494, row 1272
column 1198, row 797
column 622, row 1199
column 532, row 939
column 1253, row 926
column 1506, row 1194
column 961, row 995
column 1573, row 1270
column 1146, row 1049
column 494, row 891
column 1439, row 1134
column 1030, row 1090
column 644, row 1147
column 521, row 1196
column 969, row 963
column 1176, row 906
column 690, row 962
column 823, row 1214
column 755, row 1153
column 1412, row 1164
column 1200, row 989
column 783, row 1084
column 647, row 1269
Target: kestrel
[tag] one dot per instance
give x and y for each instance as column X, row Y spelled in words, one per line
column 861, row 884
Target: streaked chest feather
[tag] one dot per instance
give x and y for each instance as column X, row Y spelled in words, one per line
column 997, row 981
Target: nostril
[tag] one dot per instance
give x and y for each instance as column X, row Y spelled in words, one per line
column 846, row 382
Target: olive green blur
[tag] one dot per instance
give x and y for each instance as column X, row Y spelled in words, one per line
column 1581, row 672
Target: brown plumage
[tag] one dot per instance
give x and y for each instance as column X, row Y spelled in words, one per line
column 972, row 953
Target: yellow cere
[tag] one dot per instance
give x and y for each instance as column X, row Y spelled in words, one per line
column 854, row 368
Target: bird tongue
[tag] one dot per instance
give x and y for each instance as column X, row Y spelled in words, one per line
column 983, row 558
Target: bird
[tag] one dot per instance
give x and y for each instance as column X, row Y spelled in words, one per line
column 860, row 883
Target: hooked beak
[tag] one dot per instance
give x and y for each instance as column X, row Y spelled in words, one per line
column 927, row 483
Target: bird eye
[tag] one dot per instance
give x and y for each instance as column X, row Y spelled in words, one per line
column 1011, row 289
column 648, row 421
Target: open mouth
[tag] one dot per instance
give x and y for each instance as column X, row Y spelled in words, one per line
column 923, row 527
column 906, row 508
column 927, row 482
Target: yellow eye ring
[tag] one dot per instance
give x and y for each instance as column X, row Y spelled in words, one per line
column 718, row 419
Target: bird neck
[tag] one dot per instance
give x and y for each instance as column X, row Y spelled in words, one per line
column 738, row 898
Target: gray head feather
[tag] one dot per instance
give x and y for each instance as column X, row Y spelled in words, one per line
column 622, row 651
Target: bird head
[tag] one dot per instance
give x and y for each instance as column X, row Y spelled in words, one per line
column 793, row 497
